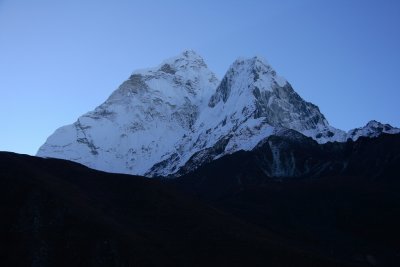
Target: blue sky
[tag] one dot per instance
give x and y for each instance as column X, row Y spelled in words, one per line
column 60, row 59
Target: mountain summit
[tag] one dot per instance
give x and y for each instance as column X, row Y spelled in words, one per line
column 173, row 118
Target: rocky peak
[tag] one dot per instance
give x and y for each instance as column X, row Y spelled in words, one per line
column 245, row 76
column 253, row 87
column 187, row 60
column 373, row 124
column 372, row 129
column 183, row 78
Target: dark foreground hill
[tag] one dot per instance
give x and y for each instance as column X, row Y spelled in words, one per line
column 59, row 213
column 340, row 199
column 338, row 206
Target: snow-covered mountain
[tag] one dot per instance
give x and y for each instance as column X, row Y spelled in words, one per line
column 141, row 121
column 173, row 118
column 372, row 129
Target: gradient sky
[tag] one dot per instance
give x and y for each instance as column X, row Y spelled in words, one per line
column 60, row 59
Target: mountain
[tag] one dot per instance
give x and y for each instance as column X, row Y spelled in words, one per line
column 60, row 213
column 249, row 104
column 261, row 179
column 372, row 129
column 141, row 121
column 169, row 120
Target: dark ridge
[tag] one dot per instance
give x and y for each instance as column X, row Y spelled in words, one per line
column 342, row 199
column 59, row 213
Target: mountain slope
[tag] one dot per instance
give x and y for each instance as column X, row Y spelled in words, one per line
column 56, row 212
column 339, row 198
column 59, row 213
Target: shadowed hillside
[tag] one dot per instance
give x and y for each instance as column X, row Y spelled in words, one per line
column 341, row 200
column 59, row 213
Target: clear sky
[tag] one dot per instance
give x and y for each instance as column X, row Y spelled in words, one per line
column 60, row 59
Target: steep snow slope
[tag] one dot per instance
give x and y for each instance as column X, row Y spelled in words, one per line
column 171, row 119
column 251, row 103
column 141, row 121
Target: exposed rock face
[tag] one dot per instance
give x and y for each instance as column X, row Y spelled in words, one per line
column 171, row 119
